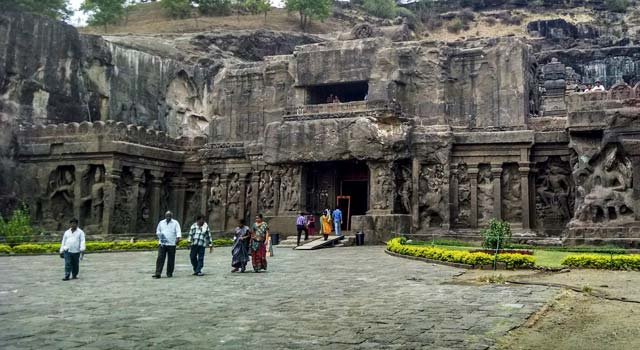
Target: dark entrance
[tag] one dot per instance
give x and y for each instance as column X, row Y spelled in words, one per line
column 346, row 92
column 338, row 184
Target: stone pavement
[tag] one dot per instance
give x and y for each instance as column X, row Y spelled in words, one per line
column 341, row 298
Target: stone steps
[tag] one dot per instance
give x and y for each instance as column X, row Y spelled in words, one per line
column 291, row 241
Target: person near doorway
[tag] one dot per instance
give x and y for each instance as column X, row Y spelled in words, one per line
column 301, row 225
column 260, row 231
column 337, row 221
column 71, row 248
column 325, row 224
column 598, row 87
column 311, row 224
column 240, row 249
column 168, row 232
column 200, row 238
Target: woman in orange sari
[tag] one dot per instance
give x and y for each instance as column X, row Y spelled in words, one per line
column 325, row 224
column 260, row 232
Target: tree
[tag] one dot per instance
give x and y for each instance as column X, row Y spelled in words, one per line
column 103, row 12
column 258, row 6
column 381, row 8
column 177, row 8
column 56, row 9
column 214, row 7
column 309, row 9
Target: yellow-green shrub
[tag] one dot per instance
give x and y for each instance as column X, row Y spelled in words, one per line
column 99, row 246
column 145, row 245
column 30, row 249
column 397, row 245
column 614, row 262
column 5, row 249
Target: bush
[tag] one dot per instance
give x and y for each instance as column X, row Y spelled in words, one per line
column 381, row 8
column 497, row 235
column 18, row 229
column 455, row 26
column 221, row 242
column 617, row 5
column 612, row 262
column 214, row 7
column 99, row 246
column 31, row 249
column 5, row 249
column 177, row 8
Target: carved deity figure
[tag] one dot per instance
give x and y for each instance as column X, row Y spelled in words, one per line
column 266, row 192
column 215, row 193
column 96, row 197
column 63, row 185
column 554, row 189
column 384, row 187
column 405, row 190
column 432, row 181
column 59, row 197
column 511, row 193
column 485, row 195
column 248, row 199
column 233, row 200
column 464, row 195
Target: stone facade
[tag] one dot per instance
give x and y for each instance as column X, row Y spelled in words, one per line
column 429, row 139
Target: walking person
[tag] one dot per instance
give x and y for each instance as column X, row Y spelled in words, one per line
column 260, row 231
column 311, row 224
column 169, row 234
column 71, row 248
column 200, row 238
column 240, row 248
column 301, row 225
column 337, row 221
column 325, row 224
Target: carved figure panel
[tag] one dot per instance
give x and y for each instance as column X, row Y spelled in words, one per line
column 485, row 194
column 122, row 213
column 93, row 196
column 216, row 201
column 59, row 197
column 144, row 203
column 266, row 192
column 554, row 194
column 248, row 198
column 404, row 189
column 193, row 201
column 464, row 196
column 511, row 193
column 432, row 201
column 233, row 198
column 383, row 186
column 290, row 189
column 604, row 188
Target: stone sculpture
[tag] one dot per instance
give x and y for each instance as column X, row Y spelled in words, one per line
column 432, row 181
column 485, row 194
column 233, row 197
column 96, row 197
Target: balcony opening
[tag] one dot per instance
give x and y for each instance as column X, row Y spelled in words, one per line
column 344, row 92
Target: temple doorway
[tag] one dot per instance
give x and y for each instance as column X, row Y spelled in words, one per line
column 343, row 185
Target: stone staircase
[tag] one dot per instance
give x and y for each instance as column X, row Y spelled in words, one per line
column 291, row 241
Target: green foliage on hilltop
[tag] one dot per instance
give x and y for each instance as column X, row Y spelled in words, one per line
column 381, row 8
column 177, row 8
column 56, row 9
column 104, row 12
column 309, row 9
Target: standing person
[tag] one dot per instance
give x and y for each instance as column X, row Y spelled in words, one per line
column 311, row 224
column 598, row 87
column 240, row 249
column 301, row 225
column 199, row 237
column 72, row 246
column 169, row 234
column 260, row 231
column 337, row 221
column 325, row 224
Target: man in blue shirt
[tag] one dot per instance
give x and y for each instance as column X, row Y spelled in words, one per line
column 169, row 234
column 337, row 221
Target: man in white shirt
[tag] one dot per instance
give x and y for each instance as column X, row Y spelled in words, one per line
column 72, row 246
column 169, row 234
column 599, row 87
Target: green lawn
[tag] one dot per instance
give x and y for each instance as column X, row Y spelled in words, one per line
column 544, row 258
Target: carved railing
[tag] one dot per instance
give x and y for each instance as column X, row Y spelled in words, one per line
column 588, row 110
column 110, row 131
column 341, row 110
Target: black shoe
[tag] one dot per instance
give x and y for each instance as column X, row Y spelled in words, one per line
column 75, row 277
column 199, row 274
column 66, row 278
column 256, row 270
column 169, row 276
column 156, row 276
column 194, row 274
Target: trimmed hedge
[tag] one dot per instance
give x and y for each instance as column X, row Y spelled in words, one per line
column 397, row 245
column 613, row 262
column 98, row 246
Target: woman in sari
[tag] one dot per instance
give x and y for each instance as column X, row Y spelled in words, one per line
column 260, row 231
column 325, row 224
column 240, row 249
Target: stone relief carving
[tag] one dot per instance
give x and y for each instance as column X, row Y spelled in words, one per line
column 144, row 203
column 511, row 193
column 216, row 202
column 432, row 182
column 485, row 194
column 266, row 192
column 554, row 193
column 405, row 189
column 233, row 198
column 122, row 211
column 604, row 188
column 464, row 196
column 290, row 189
column 384, row 186
column 95, row 199
column 193, row 201
column 248, row 198
column 60, row 196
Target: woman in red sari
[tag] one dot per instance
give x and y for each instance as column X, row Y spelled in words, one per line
column 260, row 231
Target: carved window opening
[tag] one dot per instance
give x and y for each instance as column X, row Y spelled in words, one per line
column 345, row 92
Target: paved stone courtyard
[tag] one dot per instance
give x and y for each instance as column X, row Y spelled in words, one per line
column 340, row 298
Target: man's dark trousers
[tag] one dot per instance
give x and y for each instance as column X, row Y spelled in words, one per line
column 300, row 229
column 163, row 251
column 71, row 264
column 197, row 258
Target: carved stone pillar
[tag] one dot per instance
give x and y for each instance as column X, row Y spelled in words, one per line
column 138, row 176
column 112, row 177
column 178, row 188
column 496, row 173
column 416, row 168
column 276, row 196
column 525, row 194
column 472, row 170
column 204, row 188
column 78, row 201
column 454, row 206
column 156, row 192
column 242, row 201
